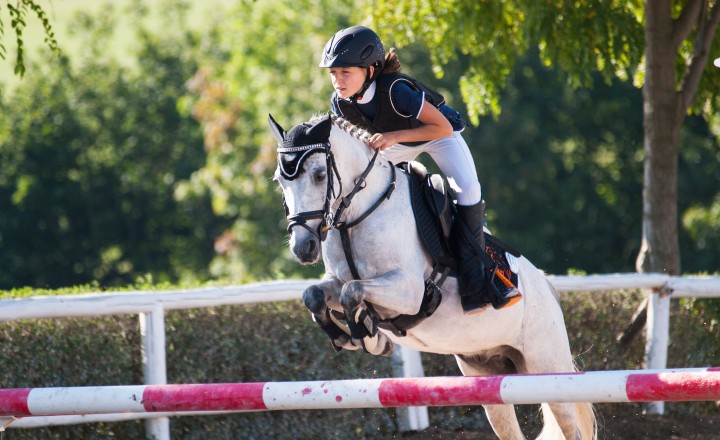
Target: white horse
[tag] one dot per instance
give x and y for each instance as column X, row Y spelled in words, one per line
column 327, row 184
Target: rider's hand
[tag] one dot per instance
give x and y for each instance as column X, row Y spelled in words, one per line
column 382, row 141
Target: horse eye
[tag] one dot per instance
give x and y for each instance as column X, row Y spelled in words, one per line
column 320, row 176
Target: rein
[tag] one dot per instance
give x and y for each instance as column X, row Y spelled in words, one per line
column 344, row 227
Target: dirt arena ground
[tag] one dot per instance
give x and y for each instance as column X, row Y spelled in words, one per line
column 615, row 422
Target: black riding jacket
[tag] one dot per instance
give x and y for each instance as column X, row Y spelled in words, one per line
column 387, row 119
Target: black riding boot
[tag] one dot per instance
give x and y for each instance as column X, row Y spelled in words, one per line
column 477, row 281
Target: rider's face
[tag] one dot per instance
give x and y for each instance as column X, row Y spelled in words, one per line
column 347, row 81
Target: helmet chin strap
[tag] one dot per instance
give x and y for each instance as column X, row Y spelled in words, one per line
column 368, row 80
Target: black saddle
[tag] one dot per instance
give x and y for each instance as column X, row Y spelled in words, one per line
column 435, row 211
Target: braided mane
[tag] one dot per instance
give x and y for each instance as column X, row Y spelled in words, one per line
column 353, row 130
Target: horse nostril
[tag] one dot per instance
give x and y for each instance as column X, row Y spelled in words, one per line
column 312, row 245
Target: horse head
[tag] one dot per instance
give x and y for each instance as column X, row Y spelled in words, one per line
column 303, row 173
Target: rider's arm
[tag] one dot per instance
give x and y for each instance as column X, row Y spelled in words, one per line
column 434, row 126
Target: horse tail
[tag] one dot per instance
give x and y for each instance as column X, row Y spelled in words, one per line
column 551, row 429
column 585, row 420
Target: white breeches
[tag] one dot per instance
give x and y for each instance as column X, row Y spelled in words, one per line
column 453, row 157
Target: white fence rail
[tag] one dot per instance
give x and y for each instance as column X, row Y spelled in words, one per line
column 150, row 305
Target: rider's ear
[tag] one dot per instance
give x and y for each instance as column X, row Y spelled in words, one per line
column 321, row 129
column 276, row 130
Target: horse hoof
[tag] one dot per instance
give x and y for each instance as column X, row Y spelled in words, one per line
column 378, row 345
column 346, row 343
column 388, row 350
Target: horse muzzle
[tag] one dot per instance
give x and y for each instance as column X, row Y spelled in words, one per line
column 305, row 245
column 305, row 240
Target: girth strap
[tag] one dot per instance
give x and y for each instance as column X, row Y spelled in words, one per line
column 431, row 301
column 347, row 249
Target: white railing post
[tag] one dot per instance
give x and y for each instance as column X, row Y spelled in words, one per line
column 408, row 363
column 657, row 335
column 152, row 331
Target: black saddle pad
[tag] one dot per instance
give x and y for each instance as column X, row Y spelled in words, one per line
column 429, row 225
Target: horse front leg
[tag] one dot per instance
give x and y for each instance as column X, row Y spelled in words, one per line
column 320, row 299
column 396, row 291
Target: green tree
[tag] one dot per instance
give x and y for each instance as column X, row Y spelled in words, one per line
column 665, row 45
column 264, row 59
column 567, row 161
column 91, row 160
column 555, row 154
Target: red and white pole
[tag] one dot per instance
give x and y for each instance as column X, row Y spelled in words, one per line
column 692, row 384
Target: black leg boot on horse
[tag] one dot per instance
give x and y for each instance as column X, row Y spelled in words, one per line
column 479, row 280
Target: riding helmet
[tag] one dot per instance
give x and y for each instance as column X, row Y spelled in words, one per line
column 355, row 46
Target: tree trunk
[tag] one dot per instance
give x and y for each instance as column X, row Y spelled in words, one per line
column 662, row 120
column 663, row 115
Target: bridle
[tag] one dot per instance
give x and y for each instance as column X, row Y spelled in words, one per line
column 300, row 219
column 333, row 210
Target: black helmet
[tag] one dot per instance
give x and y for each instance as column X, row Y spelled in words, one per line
column 355, row 46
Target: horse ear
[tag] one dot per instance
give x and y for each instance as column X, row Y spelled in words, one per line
column 276, row 130
column 321, row 129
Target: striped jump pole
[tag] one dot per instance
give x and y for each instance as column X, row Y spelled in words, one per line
column 692, row 384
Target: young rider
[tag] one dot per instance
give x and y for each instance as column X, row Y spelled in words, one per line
column 408, row 118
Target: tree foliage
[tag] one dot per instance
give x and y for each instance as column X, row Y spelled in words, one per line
column 581, row 38
column 91, row 159
column 107, row 174
column 664, row 45
column 264, row 60
column 18, row 12
column 561, row 175
column 560, row 155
